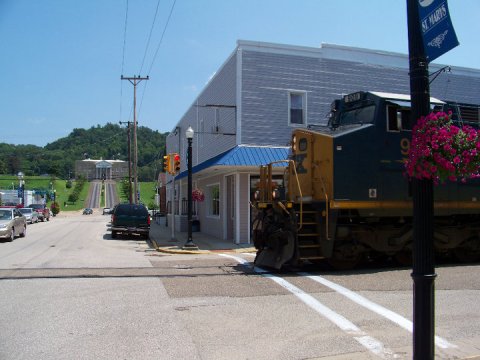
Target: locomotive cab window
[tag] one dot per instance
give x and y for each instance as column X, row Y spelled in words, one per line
column 398, row 119
column 360, row 115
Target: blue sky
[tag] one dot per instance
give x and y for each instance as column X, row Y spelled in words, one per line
column 61, row 60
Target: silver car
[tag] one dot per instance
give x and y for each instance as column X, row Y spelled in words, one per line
column 30, row 214
column 12, row 224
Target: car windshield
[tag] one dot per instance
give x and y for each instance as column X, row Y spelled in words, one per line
column 25, row 210
column 36, row 206
column 5, row 215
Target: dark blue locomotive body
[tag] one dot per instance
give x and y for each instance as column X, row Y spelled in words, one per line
column 371, row 143
column 346, row 195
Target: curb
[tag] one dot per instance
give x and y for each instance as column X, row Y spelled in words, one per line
column 179, row 250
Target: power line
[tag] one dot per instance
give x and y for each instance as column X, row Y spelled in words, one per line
column 156, row 53
column 149, row 37
column 161, row 38
column 123, row 55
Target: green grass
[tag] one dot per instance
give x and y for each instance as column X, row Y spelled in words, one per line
column 147, row 193
column 62, row 194
column 46, row 183
column 31, row 182
column 147, row 190
column 121, row 195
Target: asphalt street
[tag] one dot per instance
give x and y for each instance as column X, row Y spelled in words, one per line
column 70, row 291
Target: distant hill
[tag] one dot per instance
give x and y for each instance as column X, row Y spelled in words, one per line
column 107, row 142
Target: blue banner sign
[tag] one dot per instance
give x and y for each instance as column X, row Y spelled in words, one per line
column 437, row 30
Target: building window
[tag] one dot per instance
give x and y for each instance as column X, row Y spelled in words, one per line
column 213, row 196
column 296, row 108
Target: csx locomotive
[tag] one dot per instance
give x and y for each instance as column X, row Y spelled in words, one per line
column 343, row 196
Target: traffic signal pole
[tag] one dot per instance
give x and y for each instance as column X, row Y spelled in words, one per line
column 423, row 273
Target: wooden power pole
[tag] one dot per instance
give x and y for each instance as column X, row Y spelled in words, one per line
column 129, row 160
column 134, row 81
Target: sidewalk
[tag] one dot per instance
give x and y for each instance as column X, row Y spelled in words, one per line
column 161, row 238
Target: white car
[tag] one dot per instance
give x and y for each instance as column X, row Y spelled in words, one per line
column 30, row 214
column 12, row 223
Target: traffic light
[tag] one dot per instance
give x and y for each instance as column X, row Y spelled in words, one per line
column 166, row 164
column 176, row 163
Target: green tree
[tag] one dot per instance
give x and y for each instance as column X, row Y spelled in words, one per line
column 107, row 142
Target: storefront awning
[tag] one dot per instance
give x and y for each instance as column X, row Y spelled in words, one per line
column 242, row 156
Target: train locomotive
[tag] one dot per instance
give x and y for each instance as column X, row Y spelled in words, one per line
column 342, row 195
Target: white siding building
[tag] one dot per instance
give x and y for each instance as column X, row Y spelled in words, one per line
column 245, row 115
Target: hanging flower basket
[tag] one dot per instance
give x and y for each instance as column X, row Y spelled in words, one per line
column 197, row 195
column 442, row 151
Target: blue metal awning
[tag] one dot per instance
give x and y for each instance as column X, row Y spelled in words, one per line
column 242, row 156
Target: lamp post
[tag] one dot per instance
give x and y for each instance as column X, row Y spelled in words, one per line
column 189, row 135
column 21, row 187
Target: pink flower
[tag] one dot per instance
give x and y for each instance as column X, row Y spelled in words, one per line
column 441, row 150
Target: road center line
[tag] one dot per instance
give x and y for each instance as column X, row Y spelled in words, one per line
column 370, row 343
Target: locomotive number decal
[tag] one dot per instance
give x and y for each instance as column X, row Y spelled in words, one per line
column 405, row 146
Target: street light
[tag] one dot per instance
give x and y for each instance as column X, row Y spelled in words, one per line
column 21, row 187
column 189, row 135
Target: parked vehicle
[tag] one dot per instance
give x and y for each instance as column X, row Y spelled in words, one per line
column 130, row 219
column 42, row 211
column 12, row 224
column 87, row 211
column 106, row 211
column 30, row 214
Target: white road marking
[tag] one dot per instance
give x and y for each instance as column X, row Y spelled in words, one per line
column 371, row 344
column 388, row 314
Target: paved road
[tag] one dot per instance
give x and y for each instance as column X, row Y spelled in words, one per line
column 111, row 197
column 94, row 200
column 69, row 291
column 94, row 195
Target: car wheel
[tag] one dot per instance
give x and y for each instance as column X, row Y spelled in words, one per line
column 114, row 234
column 24, row 232
column 12, row 235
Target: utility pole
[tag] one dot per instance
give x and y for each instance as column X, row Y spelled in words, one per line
column 129, row 161
column 134, row 81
